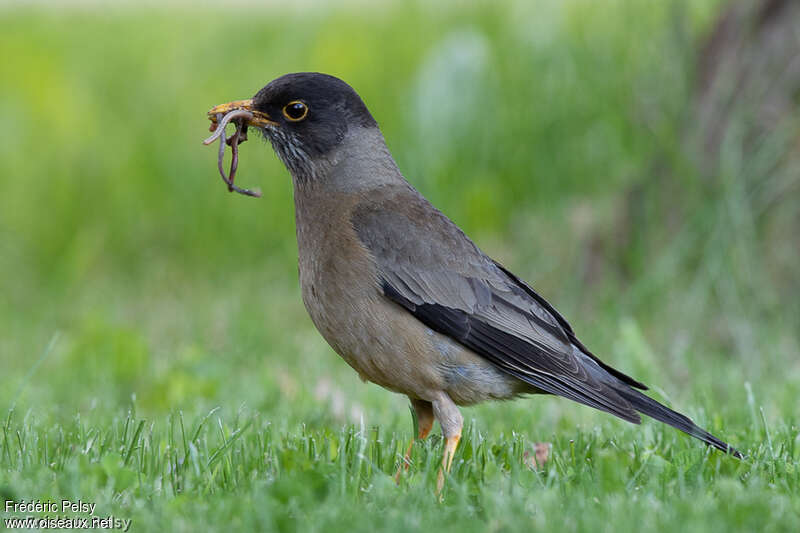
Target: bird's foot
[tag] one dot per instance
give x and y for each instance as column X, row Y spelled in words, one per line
column 450, row 445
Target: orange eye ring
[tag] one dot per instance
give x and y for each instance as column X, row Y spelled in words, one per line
column 295, row 111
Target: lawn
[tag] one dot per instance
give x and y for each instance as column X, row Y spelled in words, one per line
column 156, row 359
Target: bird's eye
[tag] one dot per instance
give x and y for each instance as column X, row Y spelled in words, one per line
column 295, row 111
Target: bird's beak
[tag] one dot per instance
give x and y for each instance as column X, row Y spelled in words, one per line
column 258, row 120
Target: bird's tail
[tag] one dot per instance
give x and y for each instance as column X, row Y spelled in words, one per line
column 648, row 406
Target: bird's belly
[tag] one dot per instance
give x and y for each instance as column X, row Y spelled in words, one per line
column 364, row 332
column 388, row 346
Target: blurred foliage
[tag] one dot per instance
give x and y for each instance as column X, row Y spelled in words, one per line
column 559, row 135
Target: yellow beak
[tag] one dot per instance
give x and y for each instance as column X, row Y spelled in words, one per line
column 258, row 120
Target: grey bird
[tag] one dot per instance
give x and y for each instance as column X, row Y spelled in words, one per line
column 401, row 293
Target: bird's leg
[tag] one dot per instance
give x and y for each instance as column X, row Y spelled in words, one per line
column 423, row 412
column 450, row 419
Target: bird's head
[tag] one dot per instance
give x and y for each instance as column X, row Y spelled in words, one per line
column 305, row 116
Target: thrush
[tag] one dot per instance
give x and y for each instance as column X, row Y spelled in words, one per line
column 402, row 294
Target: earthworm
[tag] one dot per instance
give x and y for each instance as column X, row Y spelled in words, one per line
column 239, row 136
column 236, row 113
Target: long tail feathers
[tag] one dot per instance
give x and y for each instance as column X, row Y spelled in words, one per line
column 648, row 406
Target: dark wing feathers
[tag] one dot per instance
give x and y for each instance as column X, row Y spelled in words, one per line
column 568, row 329
column 429, row 267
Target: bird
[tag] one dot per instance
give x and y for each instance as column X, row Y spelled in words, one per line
column 401, row 293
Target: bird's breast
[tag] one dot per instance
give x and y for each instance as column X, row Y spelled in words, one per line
column 338, row 280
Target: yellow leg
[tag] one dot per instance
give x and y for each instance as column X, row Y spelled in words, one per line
column 450, row 445
column 425, row 420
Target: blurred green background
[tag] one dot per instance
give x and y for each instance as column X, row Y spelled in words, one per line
column 562, row 136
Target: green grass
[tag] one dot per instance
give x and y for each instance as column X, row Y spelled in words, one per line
column 243, row 471
column 155, row 357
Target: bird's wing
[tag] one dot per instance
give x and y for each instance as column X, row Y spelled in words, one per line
column 428, row 266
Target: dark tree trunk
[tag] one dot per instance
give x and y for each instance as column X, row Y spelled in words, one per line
column 748, row 89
